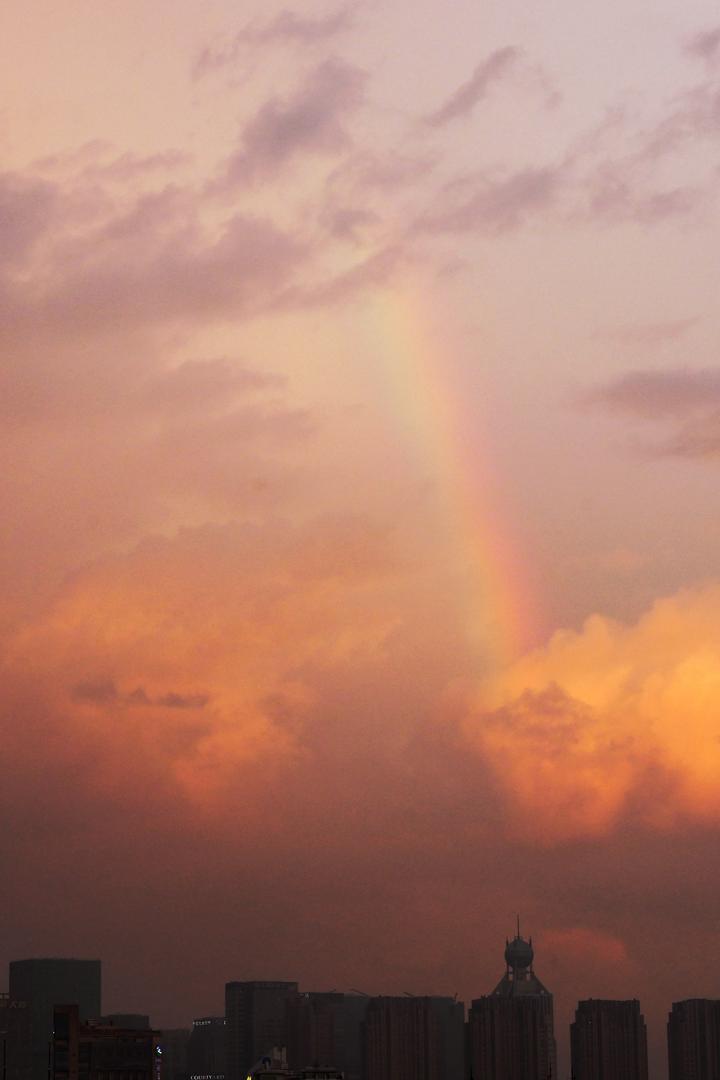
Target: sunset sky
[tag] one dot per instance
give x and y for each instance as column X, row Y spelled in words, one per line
column 360, row 413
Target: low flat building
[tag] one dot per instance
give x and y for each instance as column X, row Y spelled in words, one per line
column 97, row 1051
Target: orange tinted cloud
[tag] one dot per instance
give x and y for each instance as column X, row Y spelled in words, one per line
column 206, row 650
column 580, row 945
column 611, row 721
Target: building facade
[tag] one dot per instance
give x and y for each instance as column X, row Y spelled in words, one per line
column 255, row 1014
column 174, row 1046
column 43, row 984
column 510, row 1034
column 206, row 1048
column 693, row 1032
column 315, row 1030
column 96, row 1051
column 608, row 1041
column 413, row 1038
column 15, row 1039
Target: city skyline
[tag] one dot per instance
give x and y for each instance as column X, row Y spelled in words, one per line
column 506, row 1034
column 359, row 398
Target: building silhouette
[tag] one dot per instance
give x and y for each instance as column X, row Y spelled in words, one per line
column 255, row 1014
column 352, row 1063
column 315, row 1030
column 693, row 1032
column 15, row 1039
column 138, row 1021
column 206, row 1049
column 608, row 1041
column 43, row 984
column 98, row 1051
column 510, row 1032
column 174, row 1045
column 413, row 1038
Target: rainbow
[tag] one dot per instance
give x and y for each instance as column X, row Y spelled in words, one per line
column 498, row 606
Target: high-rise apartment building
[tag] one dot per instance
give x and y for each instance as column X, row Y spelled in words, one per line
column 608, row 1041
column 694, row 1040
column 510, row 1032
column 43, row 984
column 256, row 1022
column 315, row 1030
column 414, row 1038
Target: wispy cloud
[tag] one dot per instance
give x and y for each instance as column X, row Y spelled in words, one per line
column 288, row 27
column 705, row 45
column 686, row 400
column 616, row 193
column 654, row 394
column 649, row 334
column 470, row 93
column 488, row 204
column 27, row 206
column 104, row 692
column 310, row 121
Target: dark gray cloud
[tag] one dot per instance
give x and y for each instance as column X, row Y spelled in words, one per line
column 705, row 44
column 367, row 274
column 105, row 692
column 27, row 207
column 617, row 194
column 288, row 27
column 485, row 204
column 691, row 117
column 155, row 265
column 649, row 334
column 687, row 402
column 490, row 71
column 310, row 121
column 379, row 172
column 654, row 394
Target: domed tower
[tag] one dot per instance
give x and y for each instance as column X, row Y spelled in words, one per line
column 519, row 977
column 510, row 1031
column 519, row 956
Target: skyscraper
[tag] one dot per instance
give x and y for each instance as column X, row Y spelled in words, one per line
column 608, row 1041
column 510, row 1032
column 43, row 984
column 694, row 1040
column 256, row 1022
column 413, row 1038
